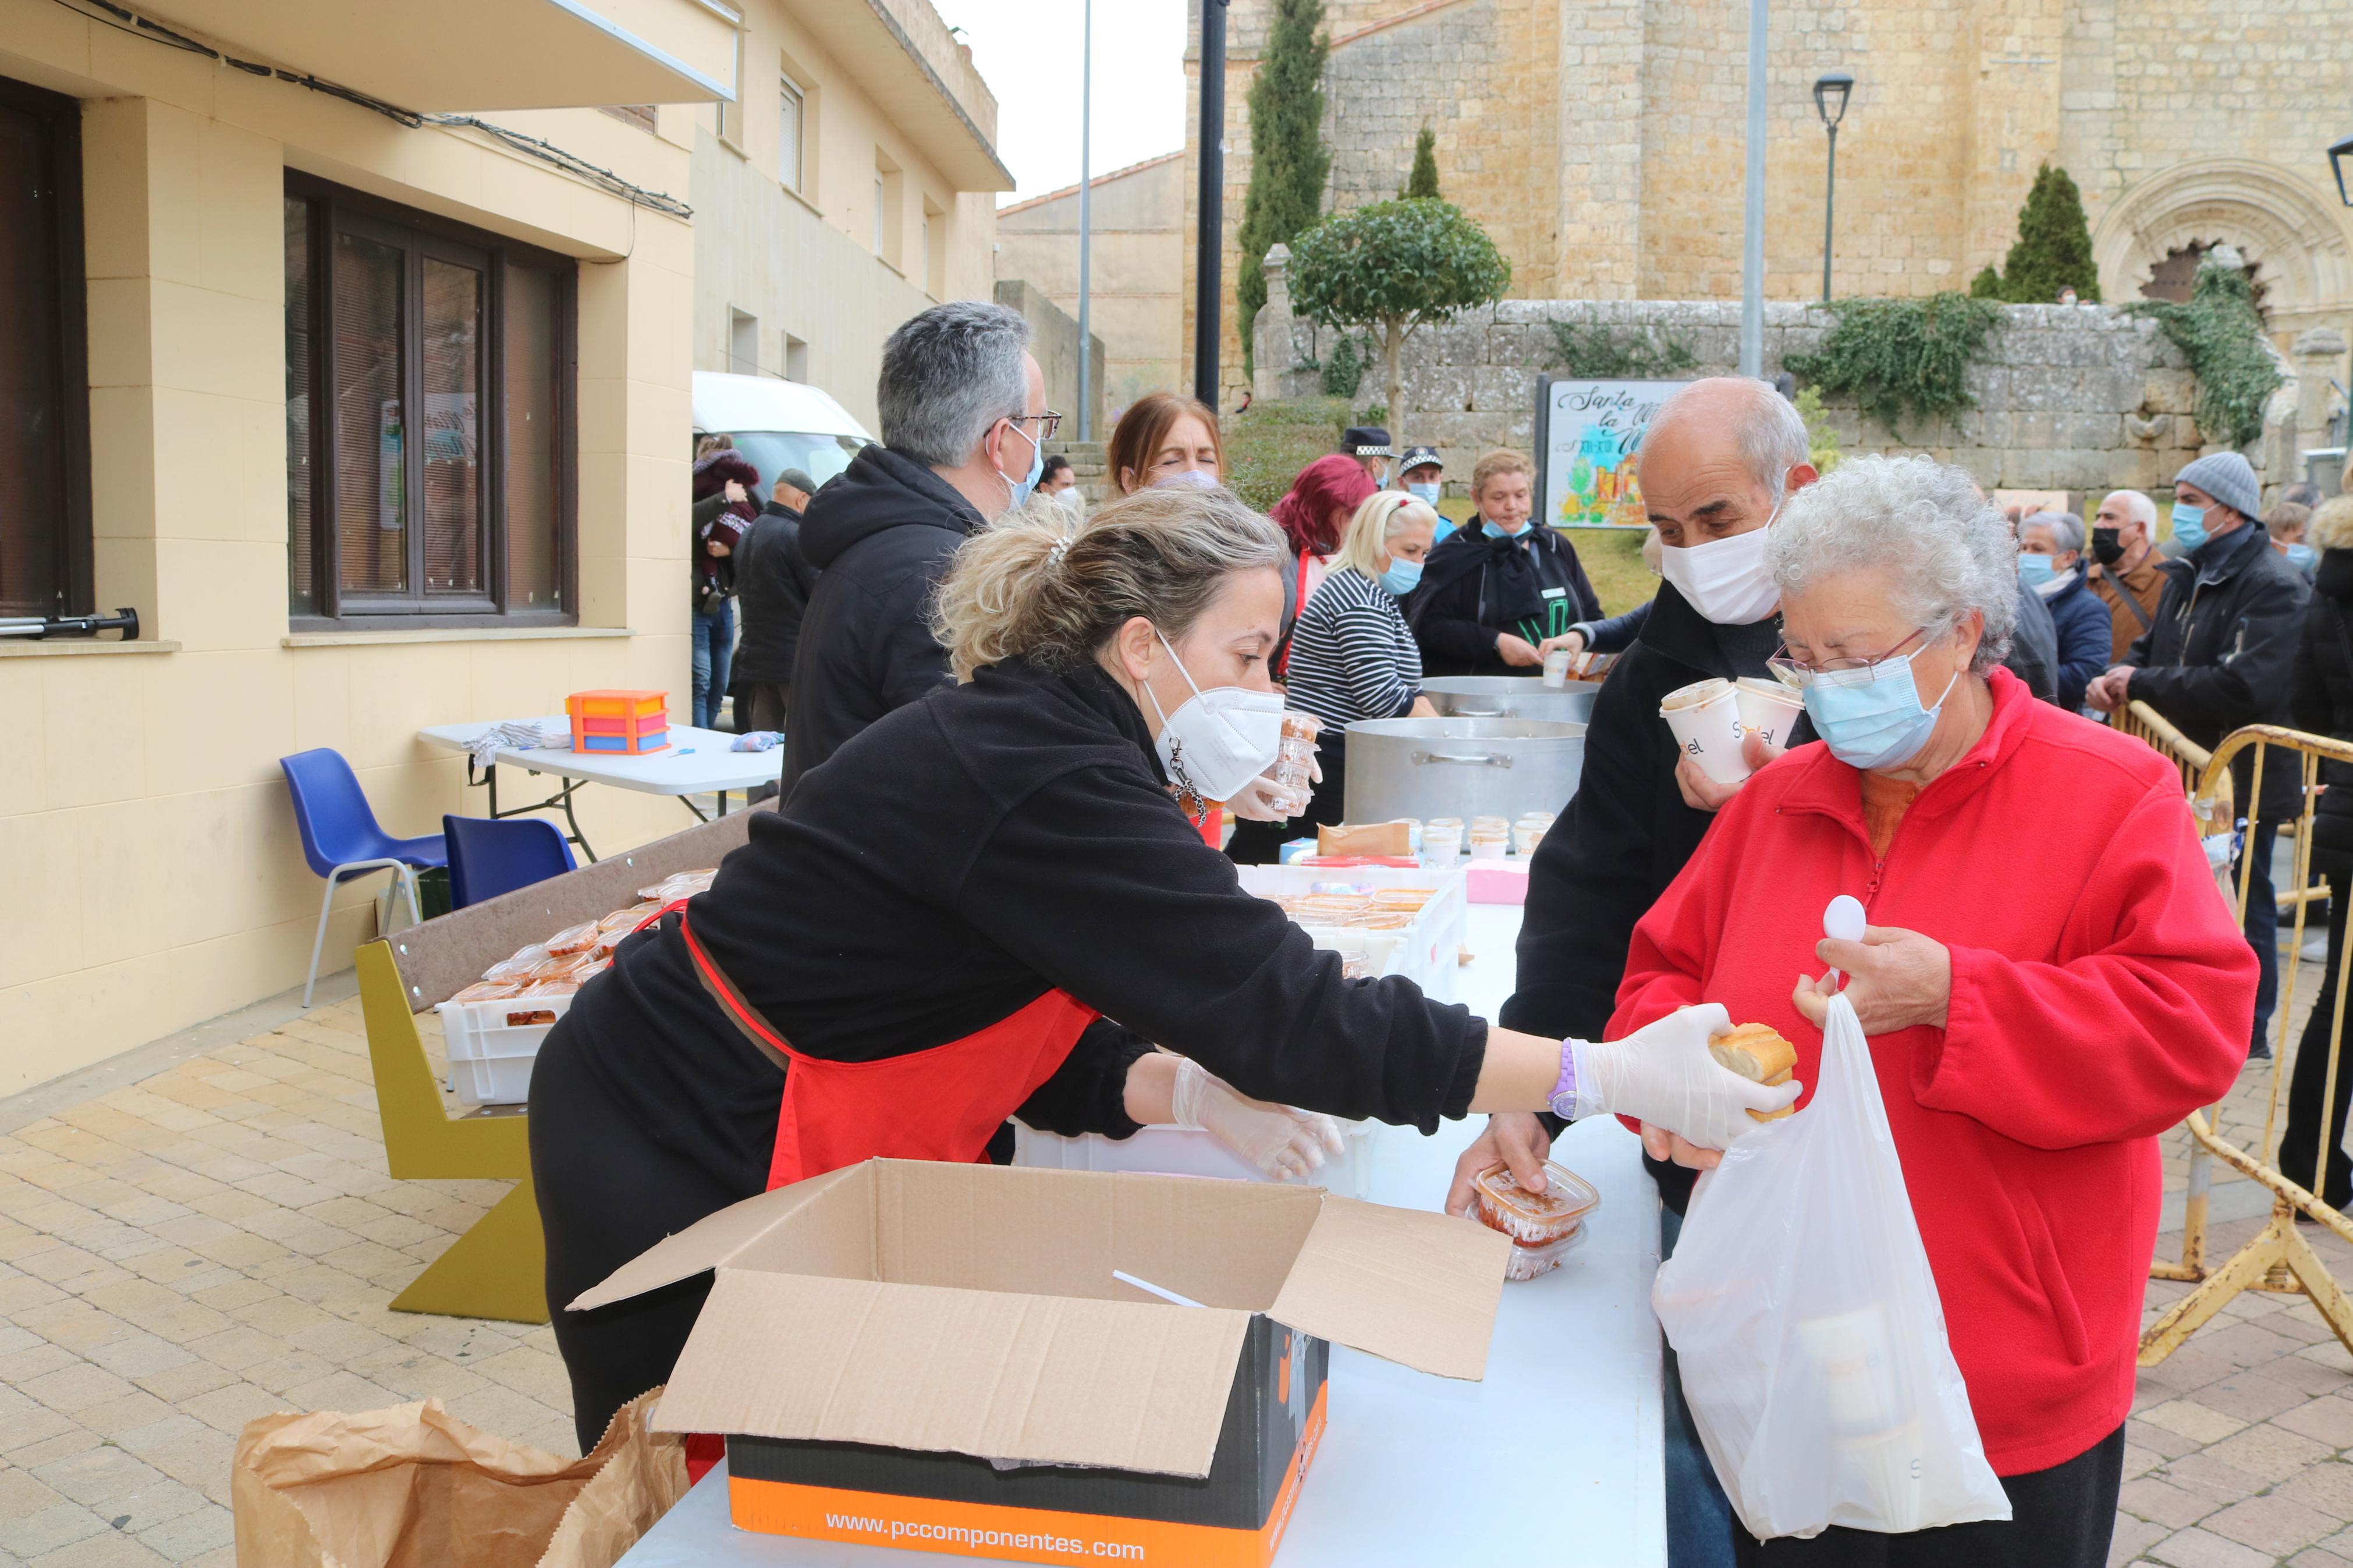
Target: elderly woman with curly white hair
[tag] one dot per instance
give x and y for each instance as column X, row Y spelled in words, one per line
column 2041, row 1004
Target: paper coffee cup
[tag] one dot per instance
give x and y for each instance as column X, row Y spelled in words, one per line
column 1555, row 667
column 1705, row 719
column 1768, row 709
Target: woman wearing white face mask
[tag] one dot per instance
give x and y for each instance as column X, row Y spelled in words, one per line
column 1351, row 655
column 938, row 928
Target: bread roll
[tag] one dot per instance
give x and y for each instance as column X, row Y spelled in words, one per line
column 1758, row 1053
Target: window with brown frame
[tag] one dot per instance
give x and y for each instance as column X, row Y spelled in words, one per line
column 429, row 389
column 45, row 549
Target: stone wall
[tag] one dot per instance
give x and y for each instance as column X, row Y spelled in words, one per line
column 1054, row 342
column 2084, row 398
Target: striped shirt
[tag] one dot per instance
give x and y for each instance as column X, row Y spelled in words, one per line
column 1351, row 655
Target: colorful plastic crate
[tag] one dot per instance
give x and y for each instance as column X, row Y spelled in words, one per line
column 627, row 722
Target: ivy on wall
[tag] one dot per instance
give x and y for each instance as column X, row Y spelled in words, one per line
column 2220, row 332
column 1902, row 359
column 1595, row 351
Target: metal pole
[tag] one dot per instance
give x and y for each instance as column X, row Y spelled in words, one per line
column 1752, row 253
column 1086, row 214
column 1209, row 239
column 1829, row 205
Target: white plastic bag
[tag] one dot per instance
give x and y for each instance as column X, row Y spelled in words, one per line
column 1812, row 1344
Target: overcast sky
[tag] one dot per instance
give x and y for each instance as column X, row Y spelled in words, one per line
column 1029, row 51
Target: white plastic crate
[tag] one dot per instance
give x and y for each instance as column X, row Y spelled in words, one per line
column 489, row 1058
column 1175, row 1152
column 1426, row 952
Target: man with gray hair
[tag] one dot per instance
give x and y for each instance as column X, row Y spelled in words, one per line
column 2127, row 574
column 1716, row 463
column 965, row 428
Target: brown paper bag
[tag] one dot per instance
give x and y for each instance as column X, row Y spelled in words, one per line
column 413, row 1486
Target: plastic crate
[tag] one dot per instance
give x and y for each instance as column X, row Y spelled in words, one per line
column 1426, row 952
column 1174, row 1151
column 489, row 1058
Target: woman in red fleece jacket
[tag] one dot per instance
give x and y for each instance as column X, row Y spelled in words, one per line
column 2050, row 979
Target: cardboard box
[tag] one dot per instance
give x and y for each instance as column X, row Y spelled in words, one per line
column 939, row 1356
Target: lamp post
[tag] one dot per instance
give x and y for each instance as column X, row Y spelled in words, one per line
column 2338, row 156
column 1086, row 214
column 1211, row 223
column 1831, row 91
column 1752, row 239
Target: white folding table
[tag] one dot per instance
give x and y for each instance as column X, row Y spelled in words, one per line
column 696, row 761
column 1555, row 1458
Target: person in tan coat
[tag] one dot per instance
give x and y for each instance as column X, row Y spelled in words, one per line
column 2129, row 572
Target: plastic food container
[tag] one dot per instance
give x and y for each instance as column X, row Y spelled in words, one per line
column 1543, row 1226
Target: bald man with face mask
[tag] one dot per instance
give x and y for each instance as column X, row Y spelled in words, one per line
column 2126, row 572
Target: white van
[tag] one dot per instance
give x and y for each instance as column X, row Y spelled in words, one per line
column 777, row 424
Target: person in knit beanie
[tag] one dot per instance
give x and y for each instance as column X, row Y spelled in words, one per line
column 2219, row 654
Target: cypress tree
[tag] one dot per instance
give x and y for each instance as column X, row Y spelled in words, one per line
column 2055, row 245
column 1986, row 284
column 1422, row 183
column 1288, row 158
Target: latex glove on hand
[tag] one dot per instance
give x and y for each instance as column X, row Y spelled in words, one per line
column 1263, row 800
column 1279, row 1140
column 1662, row 1076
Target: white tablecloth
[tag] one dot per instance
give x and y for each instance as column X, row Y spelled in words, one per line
column 1553, row 1458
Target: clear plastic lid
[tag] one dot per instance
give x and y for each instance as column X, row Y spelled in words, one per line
column 573, row 939
column 1534, row 1218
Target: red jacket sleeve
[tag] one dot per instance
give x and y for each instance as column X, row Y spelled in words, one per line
column 2145, row 1019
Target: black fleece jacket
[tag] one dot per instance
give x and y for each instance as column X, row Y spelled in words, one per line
column 1626, row 833
column 955, row 861
column 775, row 581
column 1477, row 587
column 880, row 535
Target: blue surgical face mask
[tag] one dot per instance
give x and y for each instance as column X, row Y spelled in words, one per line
column 2301, row 557
column 1402, row 576
column 1445, row 529
column 1495, row 533
column 1022, row 487
column 1878, row 722
column 2035, row 571
column 1426, row 494
column 2190, row 525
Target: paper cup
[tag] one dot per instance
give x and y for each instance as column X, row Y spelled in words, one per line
column 1768, row 709
column 1705, row 719
column 1555, row 669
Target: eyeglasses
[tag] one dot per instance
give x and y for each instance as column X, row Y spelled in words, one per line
column 1047, row 423
column 1792, row 673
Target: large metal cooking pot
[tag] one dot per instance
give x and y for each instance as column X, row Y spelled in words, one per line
column 1460, row 767
column 1511, row 696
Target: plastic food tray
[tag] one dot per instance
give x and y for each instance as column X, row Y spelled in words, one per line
column 489, row 1058
column 1174, row 1151
column 1428, row 951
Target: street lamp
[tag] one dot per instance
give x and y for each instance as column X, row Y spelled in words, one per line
column 2338, row 156
column 1831, row 91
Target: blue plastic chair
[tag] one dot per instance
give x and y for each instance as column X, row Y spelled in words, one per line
column 342, row 840
column 488, row 857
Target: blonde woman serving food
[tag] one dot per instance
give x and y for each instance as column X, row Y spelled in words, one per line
column 992, row 902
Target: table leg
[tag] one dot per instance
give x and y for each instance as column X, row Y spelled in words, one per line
column 700, row 815
column 578, row 838
column 722, row 803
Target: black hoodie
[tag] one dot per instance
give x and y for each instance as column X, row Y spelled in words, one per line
column 880, row 535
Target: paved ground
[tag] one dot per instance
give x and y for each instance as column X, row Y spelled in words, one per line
column 218, row 1239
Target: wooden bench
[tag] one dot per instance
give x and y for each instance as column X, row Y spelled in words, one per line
column 498, row 1268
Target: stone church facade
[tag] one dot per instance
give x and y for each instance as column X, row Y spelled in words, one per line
column 1599, row 141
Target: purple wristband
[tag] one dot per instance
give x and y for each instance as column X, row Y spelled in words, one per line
column 1564, row 1093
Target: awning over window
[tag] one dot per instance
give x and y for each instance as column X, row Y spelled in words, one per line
column 461, row 54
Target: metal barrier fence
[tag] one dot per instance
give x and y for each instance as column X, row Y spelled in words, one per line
column 2277, row 1258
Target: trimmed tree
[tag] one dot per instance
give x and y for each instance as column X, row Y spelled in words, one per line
column 2053, row 248
column 1288, row 158
column 1422, row 183
column 1391, row 268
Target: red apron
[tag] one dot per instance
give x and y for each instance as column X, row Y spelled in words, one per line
column 942, row 1103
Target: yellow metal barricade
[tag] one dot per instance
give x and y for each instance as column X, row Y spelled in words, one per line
column 2277, row 1258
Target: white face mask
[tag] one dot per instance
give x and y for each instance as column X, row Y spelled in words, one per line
column 1725, row 579
column 1220, row 739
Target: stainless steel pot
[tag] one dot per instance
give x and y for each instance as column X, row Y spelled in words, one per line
column 1460, row 767
column 1510, row 697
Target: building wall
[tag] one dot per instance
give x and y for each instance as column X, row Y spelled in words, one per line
column 1136, row 270
column 149, row 872
column 1054, row 344
column 2201, row 120
column 804, row 264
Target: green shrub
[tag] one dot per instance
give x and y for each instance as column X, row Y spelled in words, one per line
column 1344, row 367
column 1267, row 444
column 1289, row 162
column 1900, row 359
column 1422, row 183
column 2221, row 334
column 1821, row 437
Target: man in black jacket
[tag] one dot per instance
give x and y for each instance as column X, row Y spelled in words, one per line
column 965, row 428
column 2220, row 655
column 773, row 581
column 1717, row 462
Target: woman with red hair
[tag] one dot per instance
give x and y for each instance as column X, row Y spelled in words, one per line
column 1313, row 517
